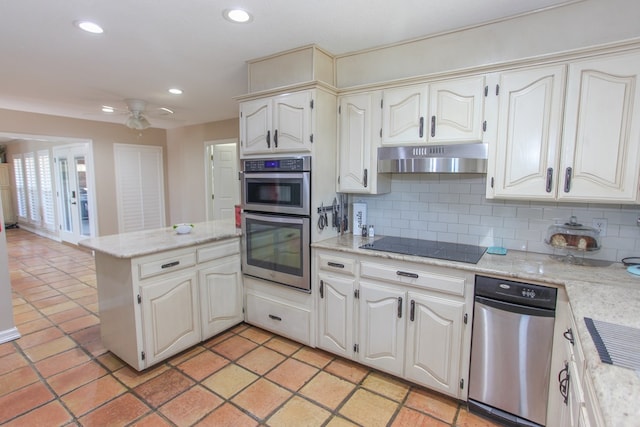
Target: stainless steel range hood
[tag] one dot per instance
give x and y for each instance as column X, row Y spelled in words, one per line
column 455, row 158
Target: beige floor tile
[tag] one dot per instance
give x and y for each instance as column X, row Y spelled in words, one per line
column 440, row 407
column 299, row 412
column 292, row 374
column 229, row 380
column 42, row 351
column 261, row 398
column 133, row 378
column 327, row 390
column 261, row 360
column 227, row 415
column 350, row 371
column 283, row 345
column 234, row 347
column 92, row 395
column 314, row 356
column 191, row 406
column 338, row 421
column 409, row 417
column 368, row 409
column 386, row 385
column 256, row 335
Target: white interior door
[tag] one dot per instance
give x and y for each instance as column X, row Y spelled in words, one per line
column 74, row 192
column 223, row 185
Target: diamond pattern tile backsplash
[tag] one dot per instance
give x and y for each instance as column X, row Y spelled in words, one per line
column 453, row 208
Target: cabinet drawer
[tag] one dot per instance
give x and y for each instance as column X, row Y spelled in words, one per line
column 337, row 264
column 171, row 262
column 410, row 275
column 280, row 317
column 218, row 250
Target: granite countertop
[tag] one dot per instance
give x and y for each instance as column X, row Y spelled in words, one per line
column 608, row 294
column 146, row 242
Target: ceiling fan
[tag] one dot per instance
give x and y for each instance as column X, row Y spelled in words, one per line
column 137, row 113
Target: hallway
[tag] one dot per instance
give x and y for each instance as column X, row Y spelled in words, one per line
column 59, row 374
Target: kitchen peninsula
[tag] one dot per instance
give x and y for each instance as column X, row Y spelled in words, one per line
column 160, row 292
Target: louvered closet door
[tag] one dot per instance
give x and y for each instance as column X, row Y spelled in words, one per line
column 139, row 187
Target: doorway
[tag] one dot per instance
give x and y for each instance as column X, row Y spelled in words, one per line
column 74, row 192
column 222, row 181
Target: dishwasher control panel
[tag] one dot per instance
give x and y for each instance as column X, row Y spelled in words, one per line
column 516, row 292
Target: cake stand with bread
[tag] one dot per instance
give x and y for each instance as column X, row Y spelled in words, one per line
column 572, row 238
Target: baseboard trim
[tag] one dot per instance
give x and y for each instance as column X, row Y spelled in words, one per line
column 9, row 335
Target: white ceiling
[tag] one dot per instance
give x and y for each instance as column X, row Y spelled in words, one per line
column 49, row 66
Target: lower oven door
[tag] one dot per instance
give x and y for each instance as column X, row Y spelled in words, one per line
column 276, row 248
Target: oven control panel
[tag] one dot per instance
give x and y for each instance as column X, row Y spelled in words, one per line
column 285, row 164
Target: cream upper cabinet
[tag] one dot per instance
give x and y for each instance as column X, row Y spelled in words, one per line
column 526, row 153
column 404, row 112
column 601, row 138
column 456, row 110
column 359, row 121
column 278, row 124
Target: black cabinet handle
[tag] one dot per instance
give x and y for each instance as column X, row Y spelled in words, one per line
column 321, row 288
column 365, row 177
column 567, row 179
column 433, row 126
column 274, row 317
column 268, row 139
column 275, row 138
column 563, row 383
column 399, row 307
column 406, row 274
column 170, row 264
column 412, row 313
column 549, row 179
column 568, row 334
column 421, row 131
column 335, row 264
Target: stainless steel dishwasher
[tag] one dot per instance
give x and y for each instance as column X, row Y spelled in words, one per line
column 511, row 351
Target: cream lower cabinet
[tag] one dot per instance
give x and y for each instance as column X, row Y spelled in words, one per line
column 407, row 319
column 152, row 307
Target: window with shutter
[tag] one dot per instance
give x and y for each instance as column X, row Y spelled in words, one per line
column 46, row 189
column 21, row 195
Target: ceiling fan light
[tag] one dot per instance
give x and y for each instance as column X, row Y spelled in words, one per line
column 138, row 122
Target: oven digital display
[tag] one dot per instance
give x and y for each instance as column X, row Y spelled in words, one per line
column 270, row 164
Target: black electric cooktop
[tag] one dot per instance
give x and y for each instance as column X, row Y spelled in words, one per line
column 428, row 248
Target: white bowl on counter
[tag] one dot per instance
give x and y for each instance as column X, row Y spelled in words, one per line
column 183, row 228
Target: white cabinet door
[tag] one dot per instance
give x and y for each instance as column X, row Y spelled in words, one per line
column 456, row 110
column 529, row 129
column 335, row 314
column 278, row 124
column 434, row 342
column 292, row 122
column 359, row 124
column 170, row 316
column 403, row 115
column 601, row 138
column 382, row 327
column 255, row 126
column 220, row 296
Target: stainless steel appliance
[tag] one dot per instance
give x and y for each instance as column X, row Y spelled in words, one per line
column 428, row 248
column 511, row 351
column 276, row 203
column 453, row 158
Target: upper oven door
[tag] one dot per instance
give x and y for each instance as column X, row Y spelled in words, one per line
column 277, row 192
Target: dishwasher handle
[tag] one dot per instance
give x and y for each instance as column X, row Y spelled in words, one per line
column 515, row 308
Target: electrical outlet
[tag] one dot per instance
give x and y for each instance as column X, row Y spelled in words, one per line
column 600, row 224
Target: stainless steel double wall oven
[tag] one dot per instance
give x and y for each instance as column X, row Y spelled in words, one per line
column 276, row 203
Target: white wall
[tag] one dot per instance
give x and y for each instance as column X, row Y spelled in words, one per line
column 8, row 330
column 453, row 208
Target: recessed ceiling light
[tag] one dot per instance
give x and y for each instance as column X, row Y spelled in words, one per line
column 166, row 110
column 237, row 15
column 90, row 27
column 107, row 109
column 175, row 91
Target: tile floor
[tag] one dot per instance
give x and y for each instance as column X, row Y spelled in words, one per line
column 59, row 374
